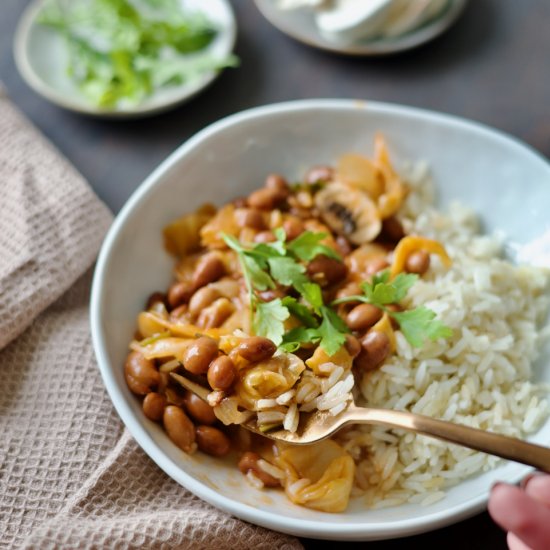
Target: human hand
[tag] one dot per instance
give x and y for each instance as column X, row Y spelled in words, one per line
column 524, row 512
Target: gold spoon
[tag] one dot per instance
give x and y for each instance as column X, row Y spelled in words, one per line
column 320, row 425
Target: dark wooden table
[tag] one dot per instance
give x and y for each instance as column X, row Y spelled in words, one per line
column 492, row 66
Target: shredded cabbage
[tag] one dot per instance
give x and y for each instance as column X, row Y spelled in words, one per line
column 122, row 50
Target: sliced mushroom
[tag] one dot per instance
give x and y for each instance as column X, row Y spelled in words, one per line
column 349, row 211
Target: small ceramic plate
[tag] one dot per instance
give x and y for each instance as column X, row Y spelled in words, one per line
column 300, row 25
column 480, row 167
column 42, row 58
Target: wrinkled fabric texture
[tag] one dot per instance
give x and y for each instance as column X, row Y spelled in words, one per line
column 70, row 474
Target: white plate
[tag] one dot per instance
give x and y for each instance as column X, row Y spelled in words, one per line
column 41, row 57
column 300, row 25
column 505, row 181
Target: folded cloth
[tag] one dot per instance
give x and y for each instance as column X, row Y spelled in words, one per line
column 70, row 474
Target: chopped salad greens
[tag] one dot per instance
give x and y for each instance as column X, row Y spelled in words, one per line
column 122, row 51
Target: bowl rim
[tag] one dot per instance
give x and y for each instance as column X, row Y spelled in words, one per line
column 324, row 529
column 23, row 33
column 374, row 48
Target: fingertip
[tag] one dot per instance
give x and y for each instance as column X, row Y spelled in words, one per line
column 538, row 487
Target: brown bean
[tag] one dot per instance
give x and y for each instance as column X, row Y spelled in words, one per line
column 293, row 227
column 256, row 348
column 353, row 345
column 271, row 294
column 250, row 217
column 221, row 373
column 249, row 463
column 216, row 314
column 209, row 269
column 265, row 237
column 376, row 265
column 199, row 409
column 179, row 293
column 418, row 262
column 212, row 441
column 395, row 308
column 239, row 202
column 153, row 406
column 326, row 271
column 319, row 174
column 264, row 199
column 141, row 375
column 179, row 428
column 277, row 183
column 376, row 347
column 155, row 298
column 200, row 354
column 363, row 316
column 202, row 299
column 392, row 229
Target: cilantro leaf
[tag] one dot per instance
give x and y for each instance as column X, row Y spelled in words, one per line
column 258, row 277
column 293, row 339
column 332, row 331
column 308, row 245
column 300, row 311
column 381, row 291
column 419, row 324
column 313, row 295
column 287, row 271
column 269, row 320
column 402, row 284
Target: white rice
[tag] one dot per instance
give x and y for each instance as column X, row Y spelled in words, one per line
column 479, row 377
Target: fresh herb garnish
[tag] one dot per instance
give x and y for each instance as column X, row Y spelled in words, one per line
column 417, row 324
column 118, row 51
column 266, row 264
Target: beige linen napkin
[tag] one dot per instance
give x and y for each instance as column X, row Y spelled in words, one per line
column 70, row 474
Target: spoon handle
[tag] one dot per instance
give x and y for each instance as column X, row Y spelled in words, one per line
column 510, row 448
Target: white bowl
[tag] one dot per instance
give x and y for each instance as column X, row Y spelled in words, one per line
column 300, row 25
column 508, row 183
column 42, row 58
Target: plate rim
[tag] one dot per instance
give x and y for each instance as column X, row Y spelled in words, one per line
column 24, row 66
column 409, row 41
column 325, row 529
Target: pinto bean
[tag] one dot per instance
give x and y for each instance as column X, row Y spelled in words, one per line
column 363, row 316
column 212, row 441
column 199, row 409
column 326, row 271
column 179, row 428
column 265, row 237
column 277, row 183
column 141, row 374
column 376, row 347
column 264, row 199
column 271, row 294
column 202, row 299
column 250, row 217
column 293, row 227
column 376, row 265
column 153, row 406
column 392, row 229
column 352, row 345
column 319, row 174
column 418, row 262
column 256, row 348
column 221, row 373
column 155, row 298
column 179, row 293
column 249, row 463
column 200, row 354
column 209, row 269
